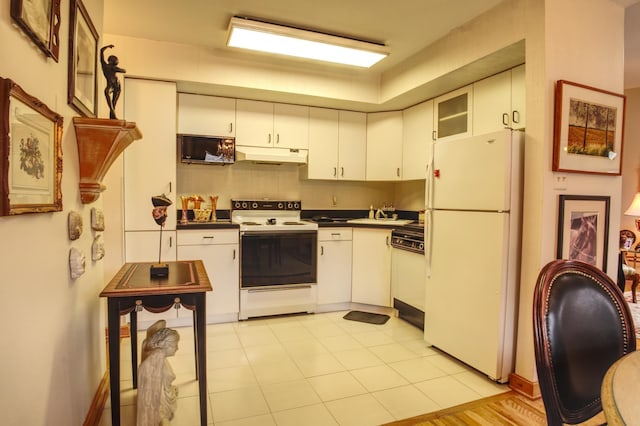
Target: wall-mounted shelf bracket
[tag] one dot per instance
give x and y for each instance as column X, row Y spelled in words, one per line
column 100, row 142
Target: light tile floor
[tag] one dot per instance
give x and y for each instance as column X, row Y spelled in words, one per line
column 315, row 369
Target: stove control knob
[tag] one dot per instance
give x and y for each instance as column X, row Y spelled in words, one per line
column 296, row 205
column 280, row 206
column 421, row 246
column 236, row 205
column 254, row 205
column 244, row 204
column 289, row 205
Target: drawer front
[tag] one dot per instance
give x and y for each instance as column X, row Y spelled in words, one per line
column 207, row 236
column 335, row 234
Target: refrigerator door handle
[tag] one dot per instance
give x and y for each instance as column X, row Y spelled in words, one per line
column 428, row 249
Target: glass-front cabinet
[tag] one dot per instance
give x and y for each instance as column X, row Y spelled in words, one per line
column 453, row 114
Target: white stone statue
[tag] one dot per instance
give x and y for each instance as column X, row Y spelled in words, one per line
column 156, row 392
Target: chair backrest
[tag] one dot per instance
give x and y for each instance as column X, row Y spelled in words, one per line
column 582, row 325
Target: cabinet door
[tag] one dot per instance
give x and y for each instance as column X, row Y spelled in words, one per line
column 206, row 115
column 371, row 275
column 254, row 123
column 291, row 126
column 323, row 144
column 518, row 98
column 222, row 266
column 150, row 163
column 334, row 267
column 492, row 103
column 149, row 246
column 384, row 146
column 352, row 145
column 417, row 140
column 453, row 115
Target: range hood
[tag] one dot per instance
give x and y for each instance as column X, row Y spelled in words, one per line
column 271, row 155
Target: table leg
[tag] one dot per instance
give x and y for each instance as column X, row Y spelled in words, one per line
column 113, row 324
column 634, row 285
column 133, row 333
column 200, row 337
column 195, row 339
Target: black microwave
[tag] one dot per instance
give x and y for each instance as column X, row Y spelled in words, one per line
column 206, row 149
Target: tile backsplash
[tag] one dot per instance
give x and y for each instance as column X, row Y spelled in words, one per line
column 256, row 181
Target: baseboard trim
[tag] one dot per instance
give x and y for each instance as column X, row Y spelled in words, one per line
column 98, row 403
column 524, row 387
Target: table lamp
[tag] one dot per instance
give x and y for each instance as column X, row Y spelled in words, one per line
column 160, row 204
column 634, row 209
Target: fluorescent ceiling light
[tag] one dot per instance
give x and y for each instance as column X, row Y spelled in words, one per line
column 272, row 38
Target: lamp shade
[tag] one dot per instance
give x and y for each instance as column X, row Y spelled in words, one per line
column 634, row 208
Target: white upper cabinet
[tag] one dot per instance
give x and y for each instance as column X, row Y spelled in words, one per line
column 352, row 146
column 498, row 102
column 265, row 124
column 206, row 115
column 518, row 97
column 417, row 140
column 453, row 114
column 323, row 143
column 384, row 146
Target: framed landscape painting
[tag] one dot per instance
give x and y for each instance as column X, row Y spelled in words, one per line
column 588, row 129
column 30, row 153
column 583, row 229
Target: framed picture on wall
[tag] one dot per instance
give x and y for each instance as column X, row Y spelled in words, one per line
column 30, row 153
column 583, row 229
column 588, row 129
column 40, row 20
column 83, row 53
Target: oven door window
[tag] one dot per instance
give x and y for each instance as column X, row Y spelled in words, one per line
column 271, row 259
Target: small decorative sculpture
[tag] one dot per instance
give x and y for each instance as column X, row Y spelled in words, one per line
column 97, row 219
column 76, row 262
column 185, row 206
column 160, row 204
column 74, row 224
column 110, row 68
column 97, row 248
column 156, row 392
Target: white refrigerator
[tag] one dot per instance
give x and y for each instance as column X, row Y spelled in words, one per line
column 473, row 227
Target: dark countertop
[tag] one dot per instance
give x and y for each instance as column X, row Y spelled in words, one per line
column 219, row 224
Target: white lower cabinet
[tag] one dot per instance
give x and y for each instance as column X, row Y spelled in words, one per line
column 334, row 268
column 371, row 275
column 219, row 251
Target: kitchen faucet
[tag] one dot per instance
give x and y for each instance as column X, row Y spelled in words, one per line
column 379, row 213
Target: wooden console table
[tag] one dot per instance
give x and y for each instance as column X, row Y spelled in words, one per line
column 131, row 289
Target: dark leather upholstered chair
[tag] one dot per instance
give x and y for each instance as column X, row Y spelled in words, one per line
column 582, row 325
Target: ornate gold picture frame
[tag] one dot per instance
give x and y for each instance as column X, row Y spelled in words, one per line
column 30, row 153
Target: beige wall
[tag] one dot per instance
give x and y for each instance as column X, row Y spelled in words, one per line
column 53, row 347
column 631, row 159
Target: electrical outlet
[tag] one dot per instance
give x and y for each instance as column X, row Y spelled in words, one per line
column 560, row 182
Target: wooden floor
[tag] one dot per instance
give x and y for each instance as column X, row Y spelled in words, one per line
column 509, row 408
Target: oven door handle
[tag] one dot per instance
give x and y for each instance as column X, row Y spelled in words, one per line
column 281, row 288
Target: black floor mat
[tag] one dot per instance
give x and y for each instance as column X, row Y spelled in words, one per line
column 367, row 317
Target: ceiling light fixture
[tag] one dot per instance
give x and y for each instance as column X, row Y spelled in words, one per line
column 278, row 39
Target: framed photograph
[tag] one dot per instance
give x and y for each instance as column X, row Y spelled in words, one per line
column 83, row 55
column 588, row 130
column 30, row 153
column 583, row 229
column 40, row 20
